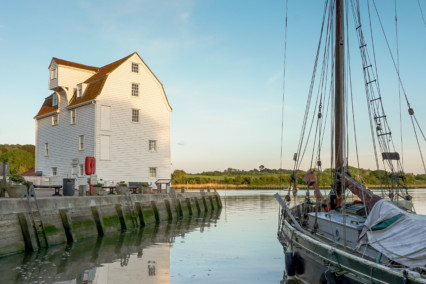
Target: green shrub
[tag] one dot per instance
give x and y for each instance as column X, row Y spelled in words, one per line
column 17, row 178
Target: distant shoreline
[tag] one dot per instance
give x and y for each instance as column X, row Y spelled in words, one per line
column 213, row 186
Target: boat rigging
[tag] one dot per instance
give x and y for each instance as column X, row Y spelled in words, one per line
column 346, row 239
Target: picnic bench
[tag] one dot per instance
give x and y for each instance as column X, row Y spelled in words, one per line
column 111, row 188
column 57, row 188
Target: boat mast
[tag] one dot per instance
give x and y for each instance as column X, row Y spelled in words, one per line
column 339, row 88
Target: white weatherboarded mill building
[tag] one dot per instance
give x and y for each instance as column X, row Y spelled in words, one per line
column 118, row 113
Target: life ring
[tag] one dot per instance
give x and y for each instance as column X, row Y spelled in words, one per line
column 90, row 165
column 93, row 165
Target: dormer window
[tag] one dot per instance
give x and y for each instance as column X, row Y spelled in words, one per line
column 135, row 68
column 80, row 92
column 54, row 100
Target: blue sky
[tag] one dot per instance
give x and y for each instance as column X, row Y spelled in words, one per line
column 221, row 64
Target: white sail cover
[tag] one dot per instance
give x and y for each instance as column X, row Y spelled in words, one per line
column 399, row 235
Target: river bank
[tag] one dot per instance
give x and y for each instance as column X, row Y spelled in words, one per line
column 216, row 186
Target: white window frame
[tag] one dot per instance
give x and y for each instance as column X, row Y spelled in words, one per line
column 81, row 170
column 46, row 149
column 55, row 119
column 53, row 73
column 135, row 90
column 73, row 118
column 152, row 172
column 152, row 145
column 55, row 100
column 135, row 67
column 54, row 171
column 81, row 143
column 135, row 115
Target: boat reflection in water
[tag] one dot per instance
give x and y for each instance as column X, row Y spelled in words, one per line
column 141, row 256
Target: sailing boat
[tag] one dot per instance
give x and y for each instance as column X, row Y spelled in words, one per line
column 370, row 240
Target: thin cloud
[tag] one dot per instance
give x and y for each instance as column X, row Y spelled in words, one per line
column 185, row 16
column 274, row 78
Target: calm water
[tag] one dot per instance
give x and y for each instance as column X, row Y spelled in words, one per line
column 236, row 245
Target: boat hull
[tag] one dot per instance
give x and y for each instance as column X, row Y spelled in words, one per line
column 315, row 261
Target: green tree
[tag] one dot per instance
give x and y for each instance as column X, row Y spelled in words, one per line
column 179, row 177
column 20, row 160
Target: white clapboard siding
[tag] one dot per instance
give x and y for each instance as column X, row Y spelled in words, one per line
column 130, row 158
column 63, row 141
column 121, row 147
column 69, row 77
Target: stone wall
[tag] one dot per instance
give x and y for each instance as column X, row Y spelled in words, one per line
column 29, row 226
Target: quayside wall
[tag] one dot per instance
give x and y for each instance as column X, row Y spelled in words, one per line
column 32, row 225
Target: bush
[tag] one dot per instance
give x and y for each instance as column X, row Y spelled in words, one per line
column 17, row 178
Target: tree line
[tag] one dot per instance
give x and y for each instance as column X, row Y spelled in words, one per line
column 282, row 177
column 21, row 158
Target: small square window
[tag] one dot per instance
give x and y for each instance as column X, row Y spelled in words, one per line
column 81, row 170
column 152, row 145
column 152, row 172
column 72, row 116
column 55, row 119
column 54, row 171
column 135, row 90
column 81, row 142
column 46, row 149
column 135, row 68
column 135, row 115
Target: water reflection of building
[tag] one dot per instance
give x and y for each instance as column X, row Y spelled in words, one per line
column 153, row 266
column 140, row 256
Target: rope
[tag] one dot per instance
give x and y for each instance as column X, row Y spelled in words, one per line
column 302, row 134
column 399, row 86
column 418, row 144
column 282, row 106
column 421, row 12
column 411, row 112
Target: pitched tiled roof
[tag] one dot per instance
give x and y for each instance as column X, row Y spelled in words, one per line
column 107, row 69
column 95, row 82
column 47, row 108
column 73, row 64
column 92, row 91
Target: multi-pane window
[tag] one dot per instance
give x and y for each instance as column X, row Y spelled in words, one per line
column 135, row 115
column 135, row 90
column 152, row 172
column 55, row 119
column 53, row 73
column 72, row 116
column 81, row 142
column 81, row 170
column 135, row 68
column 54, row 171
column 152, row 145
column 46, row 149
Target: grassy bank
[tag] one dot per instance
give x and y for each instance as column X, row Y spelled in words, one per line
column 265, row 187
